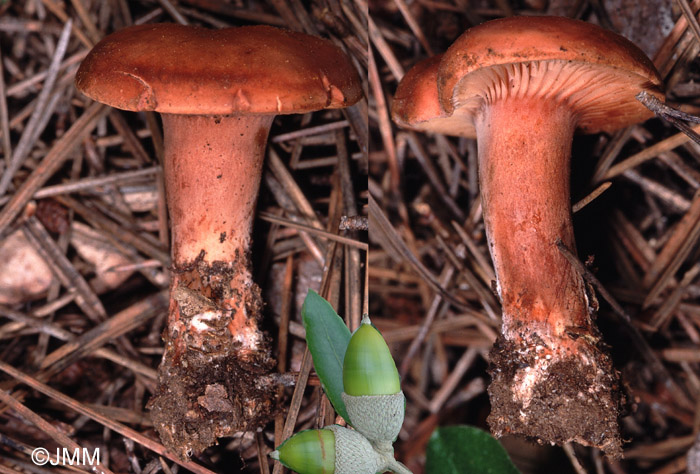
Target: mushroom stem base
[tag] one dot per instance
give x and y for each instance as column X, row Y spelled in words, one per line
column 215, row 377
column 555, row 396
column 206, row 398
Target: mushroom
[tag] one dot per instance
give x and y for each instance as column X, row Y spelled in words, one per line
column 522, row 86
column 218, row 92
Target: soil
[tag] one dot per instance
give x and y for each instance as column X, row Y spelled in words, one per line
column 566, row 396
column 212, row 383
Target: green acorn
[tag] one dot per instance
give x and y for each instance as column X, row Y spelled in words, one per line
column 331, row 450
column 372, row 388
column 368, row 368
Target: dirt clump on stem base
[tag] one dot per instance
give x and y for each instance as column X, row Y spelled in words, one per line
column 210, row 387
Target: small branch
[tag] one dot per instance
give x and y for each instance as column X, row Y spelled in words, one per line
column 398, row 468
column 661, row 109
column 670, row 114
column 353, row 223
column 591, row 197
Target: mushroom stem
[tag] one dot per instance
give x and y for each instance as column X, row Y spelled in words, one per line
column 547, row 367
column 213, row 373
column 524, row 155
column 213, row 166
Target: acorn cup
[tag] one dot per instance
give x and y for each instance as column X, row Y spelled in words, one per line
column 372, row 388
column 375, row 405
column 331, row 450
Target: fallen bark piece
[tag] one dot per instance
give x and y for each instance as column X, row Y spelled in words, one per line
column 24, row 276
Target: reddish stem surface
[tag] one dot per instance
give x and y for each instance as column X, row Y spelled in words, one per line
column 524, row 162
column 213, row 166
column 551, row 379
column 212, row 380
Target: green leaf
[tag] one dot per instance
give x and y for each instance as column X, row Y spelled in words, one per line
column 466, row 450
column 328, row 338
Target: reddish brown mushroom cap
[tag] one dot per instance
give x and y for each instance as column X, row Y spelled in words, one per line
column 180, row 69
column 416, row 99
column 595, row 71
column 416, row 104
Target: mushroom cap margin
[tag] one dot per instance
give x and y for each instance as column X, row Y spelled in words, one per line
column 416, row 105
column 178, row 69
column 502, row 43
